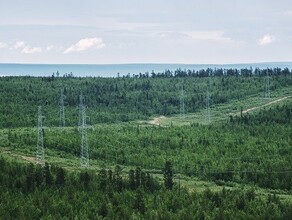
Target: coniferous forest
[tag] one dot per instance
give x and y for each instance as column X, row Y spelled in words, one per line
column 235, row 167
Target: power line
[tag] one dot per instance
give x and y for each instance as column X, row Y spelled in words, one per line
column 241, row 171
column 246, row 158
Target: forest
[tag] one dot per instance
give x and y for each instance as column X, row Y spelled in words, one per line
column 122, row 99
column 238, row 167
column 50, row 192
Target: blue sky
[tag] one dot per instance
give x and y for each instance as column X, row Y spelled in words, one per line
column 136, row 31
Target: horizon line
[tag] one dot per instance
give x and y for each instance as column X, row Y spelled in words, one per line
column 146, row 63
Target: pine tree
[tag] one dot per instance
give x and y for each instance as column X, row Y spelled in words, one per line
column 118, row 178
column 102, row 179
column 139, row 203
column 60, row 177
column 132, row 183
column 103, row 211
column 168, row 175
column 85, row 179
column 38, row 177
column 47, row 175
column 138, row 177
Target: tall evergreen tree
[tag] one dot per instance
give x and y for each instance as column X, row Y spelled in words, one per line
column 102, row 179
column 139, row 202
column 168, row 175
column 60, row 177
column 138, row 177
column 132, row 183
column 47, row 175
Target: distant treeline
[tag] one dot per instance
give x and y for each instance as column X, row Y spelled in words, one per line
column 246, row 72
column 213, row 72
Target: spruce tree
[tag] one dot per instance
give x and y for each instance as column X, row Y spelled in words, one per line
column 168, row 175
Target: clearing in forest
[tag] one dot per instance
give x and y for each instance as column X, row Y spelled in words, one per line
column 221, row 112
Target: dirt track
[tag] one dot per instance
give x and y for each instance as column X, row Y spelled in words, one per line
column 157, row 120
column 30, row 159
column 261, row 106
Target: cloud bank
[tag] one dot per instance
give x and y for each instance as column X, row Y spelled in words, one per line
column 86, row 44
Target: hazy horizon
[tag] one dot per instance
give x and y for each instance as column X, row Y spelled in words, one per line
column 111, row 70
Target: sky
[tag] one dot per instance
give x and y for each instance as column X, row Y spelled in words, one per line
column 139, row 31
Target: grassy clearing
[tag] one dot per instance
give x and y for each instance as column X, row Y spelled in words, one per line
column 222, row 112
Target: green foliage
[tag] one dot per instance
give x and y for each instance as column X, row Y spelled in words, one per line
column 112, row 100
column 168, row 175
column 47, row 175
column 103, row 210
column 60, row 177
column 132, row 181
column 139, row 203
column 249, row 149
column 255, row 150
column 76, row 201
column 103, row 179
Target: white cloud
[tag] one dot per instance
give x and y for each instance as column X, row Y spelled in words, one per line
column 19, row 45
column 49, row 48
column 29, row 50
column 54, row 48
column 267, row 39
column 2, row 45
column 208, row 35
column 25, row 48
column 86, row 44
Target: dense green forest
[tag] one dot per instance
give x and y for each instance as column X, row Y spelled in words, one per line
column 33, row 192
column 138, row 170
column 248, row 149
column 110, row 100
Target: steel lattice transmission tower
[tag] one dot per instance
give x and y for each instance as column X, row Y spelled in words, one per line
column 40, row 154
column 207, row 113
column 62, row 110
column 182, row 102
column 84, row 156
column 80, row 110
column 267, row 86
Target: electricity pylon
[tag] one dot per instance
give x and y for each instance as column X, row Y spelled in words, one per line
column 80, row 110
column 267, row 86
column 182, row 102
column 207, row 113
column 40, row 154
column 84, row 156
column 62, row 110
